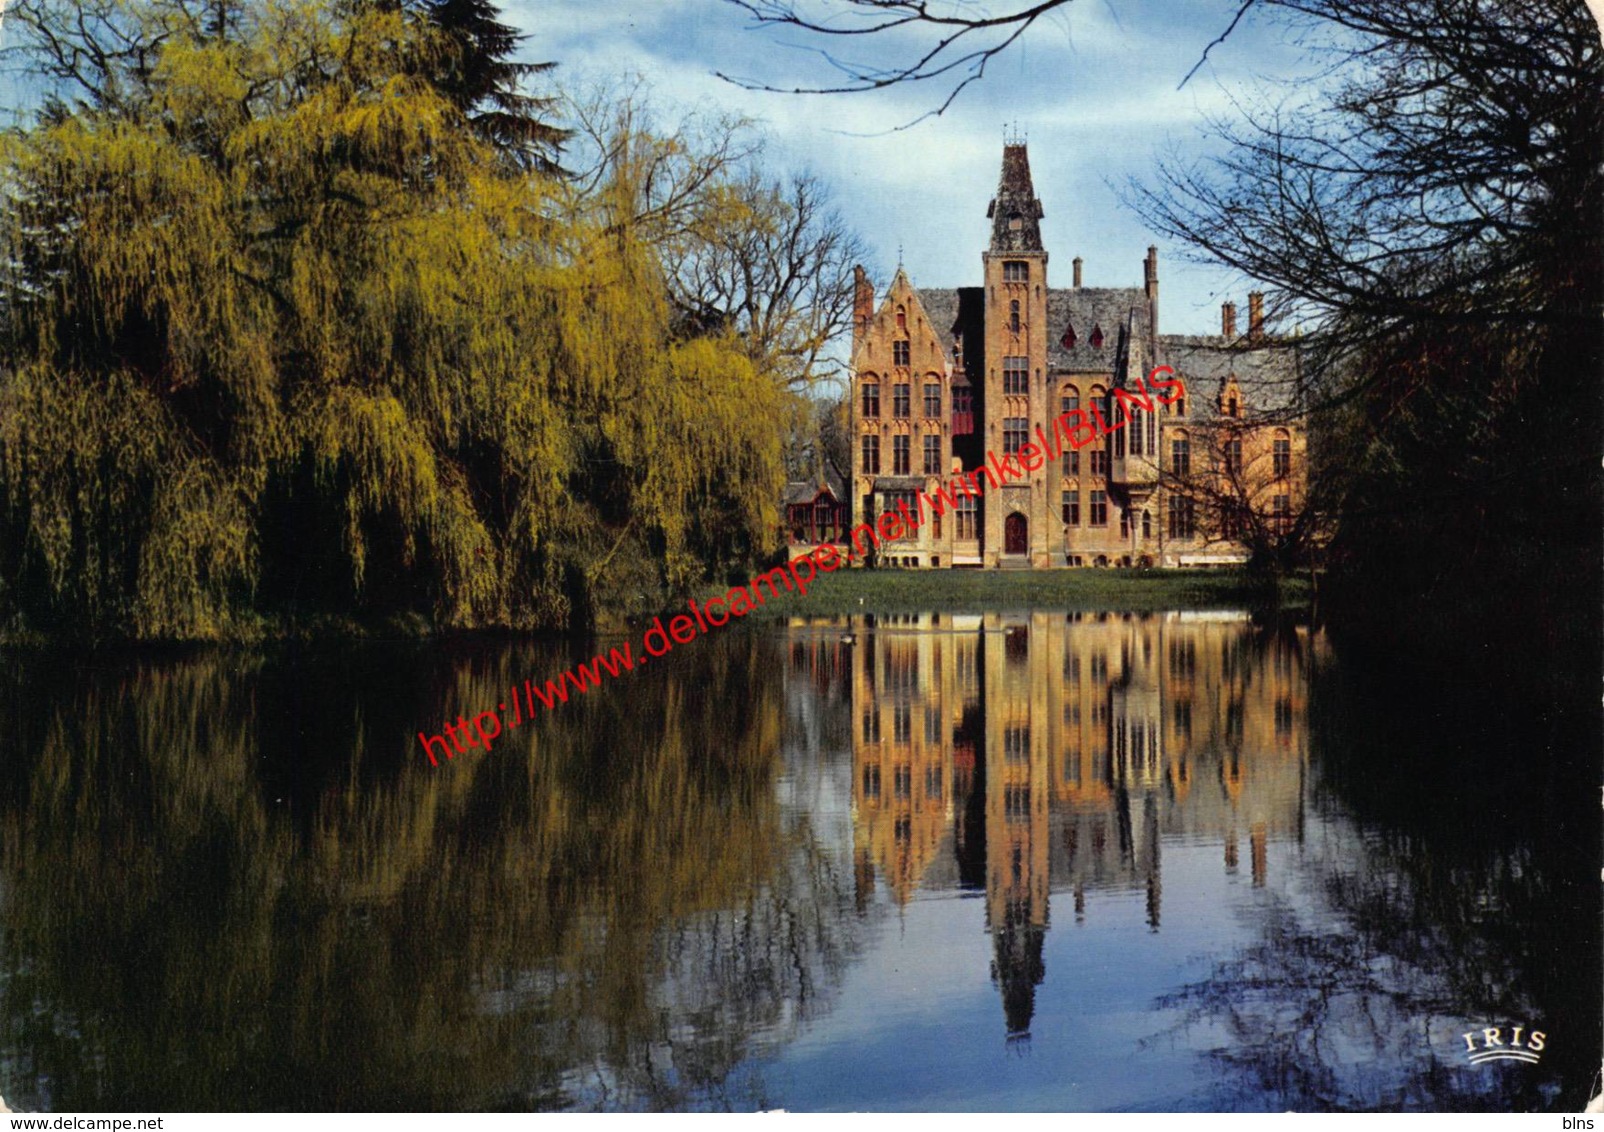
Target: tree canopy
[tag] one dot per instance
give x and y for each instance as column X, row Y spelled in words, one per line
column 285, row 333
column 1430, row 217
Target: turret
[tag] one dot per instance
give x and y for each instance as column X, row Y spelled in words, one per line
column 1015, row 213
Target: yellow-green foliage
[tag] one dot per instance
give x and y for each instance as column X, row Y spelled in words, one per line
column 201, row 905
column 281, row 258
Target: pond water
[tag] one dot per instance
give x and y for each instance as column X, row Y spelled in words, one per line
column 1040, row 860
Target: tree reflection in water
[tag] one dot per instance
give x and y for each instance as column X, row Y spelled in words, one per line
column 1458, row 907
column 1405, row 879
column 229, row 882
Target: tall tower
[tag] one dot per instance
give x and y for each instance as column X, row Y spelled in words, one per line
column 1015, row 392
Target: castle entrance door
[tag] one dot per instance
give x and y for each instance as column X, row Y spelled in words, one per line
column 1014, row 534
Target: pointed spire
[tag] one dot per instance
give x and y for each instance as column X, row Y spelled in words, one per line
column 1015, row 212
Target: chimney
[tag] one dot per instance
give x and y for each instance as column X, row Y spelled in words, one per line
column 1077, row 272
column 1228, row 320
column 1255, row 314
column 1150, row 273
column 862, row 302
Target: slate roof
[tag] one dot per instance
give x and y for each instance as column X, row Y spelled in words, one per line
column 1087, row 309
column 1268, row 375
column 941, row 308
column 1015, row 213
column 806, row 491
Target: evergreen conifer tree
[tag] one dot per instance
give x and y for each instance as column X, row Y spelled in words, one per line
column 483, row 80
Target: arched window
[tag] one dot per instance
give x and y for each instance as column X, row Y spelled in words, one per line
column 1282, row 452
column 1147, row 524
column 871, row 397
column 902, row 319
column 1070, row 398
column 1181, row 455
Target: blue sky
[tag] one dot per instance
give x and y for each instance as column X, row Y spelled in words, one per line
column 1094, row 88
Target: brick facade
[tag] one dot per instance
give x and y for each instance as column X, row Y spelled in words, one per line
column 1003, row 359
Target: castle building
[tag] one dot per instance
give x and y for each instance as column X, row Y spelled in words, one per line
column 942, row 379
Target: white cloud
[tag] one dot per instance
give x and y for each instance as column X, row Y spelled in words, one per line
column 1094, row 86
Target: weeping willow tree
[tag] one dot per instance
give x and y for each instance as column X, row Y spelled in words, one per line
column 285, row 335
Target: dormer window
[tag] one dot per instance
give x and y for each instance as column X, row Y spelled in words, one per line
column 1015, row 222
column 1231, row 407
column 1097, row 337
column 1068, row 340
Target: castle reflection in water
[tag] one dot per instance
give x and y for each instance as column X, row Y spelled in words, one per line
column 1035, row 755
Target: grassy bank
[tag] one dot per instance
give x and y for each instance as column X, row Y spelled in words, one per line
column 916, row 591
column 829, row 595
